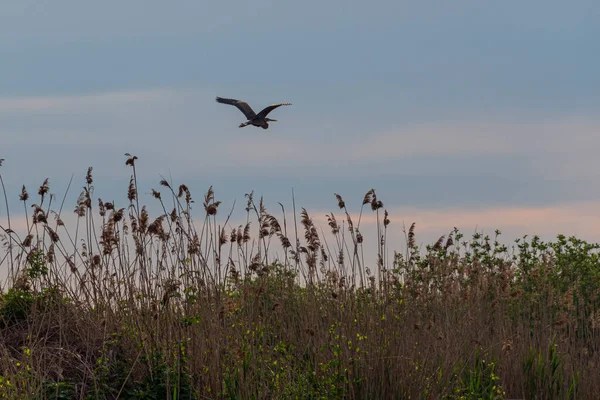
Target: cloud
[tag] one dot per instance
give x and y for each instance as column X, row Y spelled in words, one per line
column 185, row 134
column 18, row 224
column 561, row 147
column 561, row 134
column 88, row 102
column 558, row 134
column 578, row 219
column 195, row 125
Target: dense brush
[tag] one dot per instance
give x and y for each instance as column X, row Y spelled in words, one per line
column 125, row 304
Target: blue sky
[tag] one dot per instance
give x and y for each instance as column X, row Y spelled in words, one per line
column 458, row 111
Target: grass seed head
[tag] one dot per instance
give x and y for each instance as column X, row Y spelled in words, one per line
column 88, row 177
column 44, row 188
column 24, row 195
column 341, row 203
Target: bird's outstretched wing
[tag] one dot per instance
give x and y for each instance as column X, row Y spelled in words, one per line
column 267, row 110
column 241, row 105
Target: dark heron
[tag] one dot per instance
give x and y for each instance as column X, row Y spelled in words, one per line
column 259, row 119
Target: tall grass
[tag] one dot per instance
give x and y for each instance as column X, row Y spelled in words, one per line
column 132, row 306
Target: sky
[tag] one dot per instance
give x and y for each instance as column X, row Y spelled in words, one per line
column 479, row 115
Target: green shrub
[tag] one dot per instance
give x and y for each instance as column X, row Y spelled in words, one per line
column 477, row 380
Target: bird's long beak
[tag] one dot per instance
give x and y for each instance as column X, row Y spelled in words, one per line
column 271, row 120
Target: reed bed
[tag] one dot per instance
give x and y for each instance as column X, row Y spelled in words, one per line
column 127, row 305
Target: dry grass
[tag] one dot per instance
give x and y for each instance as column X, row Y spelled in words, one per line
column 127, row 305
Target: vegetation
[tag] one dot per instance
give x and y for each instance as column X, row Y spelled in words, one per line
column 127, row 306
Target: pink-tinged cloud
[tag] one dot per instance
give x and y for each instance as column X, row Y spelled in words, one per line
column 579, row 219
column 17, row 224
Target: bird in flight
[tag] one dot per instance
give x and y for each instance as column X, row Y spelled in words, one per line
column 257, row 120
